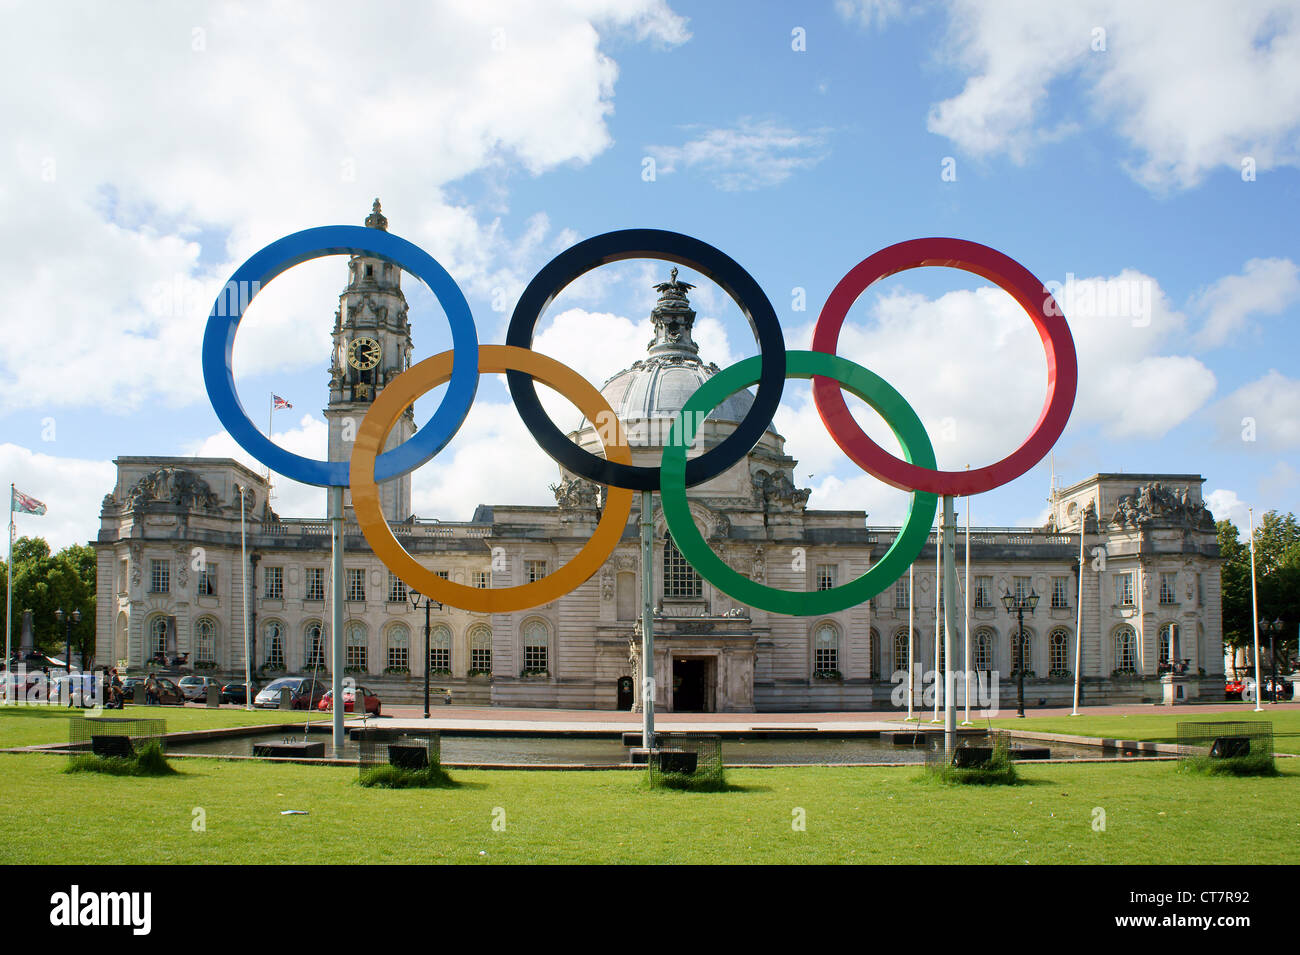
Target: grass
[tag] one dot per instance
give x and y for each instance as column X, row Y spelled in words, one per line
column 1256, row 764
column 34, row 725
column 1153, row 814
column 998, row 770
column 149, row 761
column 1161, row 726
column 432, row 776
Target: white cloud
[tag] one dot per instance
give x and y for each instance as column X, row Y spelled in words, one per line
column 1265, row 286
column 751, row 155
column 971, row 366
column 1266, row 410
column 1189, row 91
column 1225, row 505
column 72, row 490
column 149, row 132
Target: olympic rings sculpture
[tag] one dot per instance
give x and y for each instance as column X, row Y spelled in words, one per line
column 461, row 367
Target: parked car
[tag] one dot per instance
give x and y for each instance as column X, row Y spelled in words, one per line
column 169, row 694
column 195, row 688
column 85, row 689
column 1232, row 689
column 349, row 701
column 128, row 687
column 304, row 692
column 234, row 692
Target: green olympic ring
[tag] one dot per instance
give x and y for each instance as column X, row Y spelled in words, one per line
column 872, row 389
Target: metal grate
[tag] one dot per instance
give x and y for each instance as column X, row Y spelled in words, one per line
column 1240, row 741
column 405, row 749
column 114, row 736
column 697, row 756
column 973, row 750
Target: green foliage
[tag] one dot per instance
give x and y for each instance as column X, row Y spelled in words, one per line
column 45, row 582
column 1277, row 578
column 700, row 781
column 149, row 760
column 1253, row 764
column 999, row 770
column 432, row 776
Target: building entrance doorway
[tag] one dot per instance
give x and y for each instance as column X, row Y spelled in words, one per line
column 692, row 683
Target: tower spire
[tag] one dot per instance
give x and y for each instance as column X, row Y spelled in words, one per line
column 377, row 219
column 673, row 318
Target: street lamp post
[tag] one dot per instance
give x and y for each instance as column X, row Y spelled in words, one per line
column 1018, row 604
column 68, row 620
column 418, row 602
column 1271, row 630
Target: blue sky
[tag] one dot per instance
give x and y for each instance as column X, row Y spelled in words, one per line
column 1158, row 157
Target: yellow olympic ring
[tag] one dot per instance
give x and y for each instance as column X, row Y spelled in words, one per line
column 419, row 379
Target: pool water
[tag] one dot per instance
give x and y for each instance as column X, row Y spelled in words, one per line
column 609, row 751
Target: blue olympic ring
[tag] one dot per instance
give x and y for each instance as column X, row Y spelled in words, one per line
column 265, row 265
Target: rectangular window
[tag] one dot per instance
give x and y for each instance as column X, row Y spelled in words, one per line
column 1060, row 596
column 397, row 591
column 315, row 647
column 208, row 583
column 1168, row 593
column 160, row 576
column 535, row 657
column 482, row 579
column 315, row 583
column 355, row 656
column 398, row 656
column 1023, row 587
column 534, row 570
column 902, row 594
column 273, row 583
column 480, row 658
column 439, row 658
column 356, row 584
column 983, row 593
column 826, row 576
column 1124, row 589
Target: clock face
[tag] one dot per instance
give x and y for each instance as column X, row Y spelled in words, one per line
column 363, row 353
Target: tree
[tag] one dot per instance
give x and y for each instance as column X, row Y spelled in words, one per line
column 1277, row 579
column 44, row 583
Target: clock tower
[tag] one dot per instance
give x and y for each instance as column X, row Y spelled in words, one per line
column 372, row 345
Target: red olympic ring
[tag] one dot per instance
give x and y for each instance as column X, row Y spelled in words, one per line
column 1011, row 277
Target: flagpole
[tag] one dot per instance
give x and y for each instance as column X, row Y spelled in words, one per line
column 911, row 618
column 938, row 619
column 1254, row 609
column 243, row 576
column 966, row 611
column 1078, row 625
column 9, row 582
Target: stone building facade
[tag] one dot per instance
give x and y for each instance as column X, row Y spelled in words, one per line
column 170, row 576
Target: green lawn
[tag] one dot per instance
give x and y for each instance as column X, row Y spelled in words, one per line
column 1161, row 727
column 1153, row 814
column 33, row 725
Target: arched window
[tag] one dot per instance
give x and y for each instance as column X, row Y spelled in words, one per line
column 1168, row 637
column 984, row 650
column 157, row 635
column 354, row 648
column 314, row 640
column 1021, row 655
column 680, row 578
column 480, row 650
column 274, row 634
column 399, row 648
column 440, row 650
column 873, row 653
column 205, row 641
column 826, row 649
column 1125, row 651
column 900, row 651
column 535, row 647
column 1058, row 650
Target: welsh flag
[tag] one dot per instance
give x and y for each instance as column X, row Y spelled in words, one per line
column 23, row 504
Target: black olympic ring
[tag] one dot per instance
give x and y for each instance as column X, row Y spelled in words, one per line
column 672, row 247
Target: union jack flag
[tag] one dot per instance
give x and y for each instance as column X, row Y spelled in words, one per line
column 23, row 504
column 279, row 403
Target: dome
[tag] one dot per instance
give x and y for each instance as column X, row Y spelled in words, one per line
column 657, row 387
